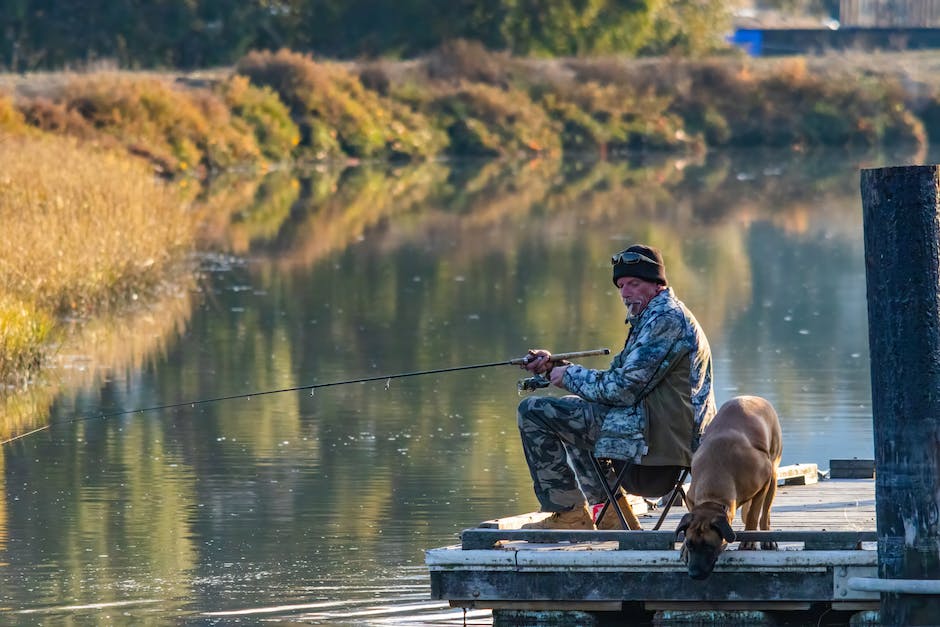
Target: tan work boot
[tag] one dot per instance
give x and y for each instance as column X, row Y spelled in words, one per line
column 611, row 521
column 577, row 518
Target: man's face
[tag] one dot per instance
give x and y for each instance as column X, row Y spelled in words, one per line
column 636, row 294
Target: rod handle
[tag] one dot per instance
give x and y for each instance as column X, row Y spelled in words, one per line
column 521, row 361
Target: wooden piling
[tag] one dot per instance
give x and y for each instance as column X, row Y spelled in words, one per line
column 902, row 256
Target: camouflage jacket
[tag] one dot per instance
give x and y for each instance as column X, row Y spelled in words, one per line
column 656, row 398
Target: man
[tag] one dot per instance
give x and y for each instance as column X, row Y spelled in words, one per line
column 647, row 410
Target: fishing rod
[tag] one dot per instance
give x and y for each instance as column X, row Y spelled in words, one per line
column 525, row 384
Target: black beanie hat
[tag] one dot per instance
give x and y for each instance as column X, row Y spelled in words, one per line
column 646, row 264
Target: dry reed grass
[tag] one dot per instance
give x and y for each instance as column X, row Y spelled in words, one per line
column 83, row 229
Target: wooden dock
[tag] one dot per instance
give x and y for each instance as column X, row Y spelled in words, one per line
column 825, row 531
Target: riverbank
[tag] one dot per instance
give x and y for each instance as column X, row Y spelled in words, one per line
column 465, row 101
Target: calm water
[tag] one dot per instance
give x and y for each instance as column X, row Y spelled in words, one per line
column 306, row 508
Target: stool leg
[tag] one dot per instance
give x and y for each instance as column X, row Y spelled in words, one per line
column 672, row 498
column 611, row 491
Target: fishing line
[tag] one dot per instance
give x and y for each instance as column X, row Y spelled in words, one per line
column 314, row 386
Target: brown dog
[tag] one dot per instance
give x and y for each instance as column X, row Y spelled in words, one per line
column 735, row 466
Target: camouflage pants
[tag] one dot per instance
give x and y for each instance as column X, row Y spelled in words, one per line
column 558, row 437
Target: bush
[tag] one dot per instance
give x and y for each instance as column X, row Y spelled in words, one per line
column 177, row 129
column 485, row 120
column 264, row 113
column 614, row 118
column 336, row 114
column 57, row 118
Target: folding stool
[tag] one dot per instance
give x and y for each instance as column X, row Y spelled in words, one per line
column 611, row 490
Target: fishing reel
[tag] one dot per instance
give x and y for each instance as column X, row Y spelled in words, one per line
column 531, row 384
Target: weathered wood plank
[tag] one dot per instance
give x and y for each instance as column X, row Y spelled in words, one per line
column 473, row 539
column 852, row 468
column 838, row 504
column 636, row 540
column 798, row 474
column 562, row 585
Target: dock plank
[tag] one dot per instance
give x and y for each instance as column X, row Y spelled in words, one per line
column 833, row 505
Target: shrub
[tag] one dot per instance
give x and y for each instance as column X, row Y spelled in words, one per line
column 336, row 114
column 177, row 129
column 55, row 117
column 614, row 118
column 485, row 120
column 781, row 103
column 267, row 117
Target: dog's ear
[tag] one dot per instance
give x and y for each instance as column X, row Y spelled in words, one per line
column 720, row 523
column 683, row 525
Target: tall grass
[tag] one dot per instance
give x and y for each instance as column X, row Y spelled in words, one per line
column 24, row 333
column 83, row 230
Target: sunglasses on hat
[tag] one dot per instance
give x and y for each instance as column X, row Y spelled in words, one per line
column 629, row 256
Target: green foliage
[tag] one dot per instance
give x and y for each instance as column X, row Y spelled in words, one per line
column 337, row 115
column 688, row 27
column 262, row 220
column 211, row 33
column 24, row 333
column 613, row 118
column 268, row 118
column 576, row 27
column 485, row 120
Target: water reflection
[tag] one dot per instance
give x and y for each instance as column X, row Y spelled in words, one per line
column 316, row 508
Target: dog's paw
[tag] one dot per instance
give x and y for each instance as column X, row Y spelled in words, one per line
column 768, row 545
column 747, row 546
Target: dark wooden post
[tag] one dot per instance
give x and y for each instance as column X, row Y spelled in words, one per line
column 902, row 255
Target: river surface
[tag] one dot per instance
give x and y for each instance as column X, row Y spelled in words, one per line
column 315, row 507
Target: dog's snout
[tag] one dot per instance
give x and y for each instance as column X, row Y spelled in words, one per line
column 700, row 561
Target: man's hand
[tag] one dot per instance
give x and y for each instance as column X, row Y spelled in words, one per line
column 557, row 375
column 538, row 361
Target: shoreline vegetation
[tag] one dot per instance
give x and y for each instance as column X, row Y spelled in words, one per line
column 102, row 195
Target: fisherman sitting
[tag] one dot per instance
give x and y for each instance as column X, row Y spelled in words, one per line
column 647, row 410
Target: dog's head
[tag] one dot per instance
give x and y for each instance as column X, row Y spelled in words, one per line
column 707, row 532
